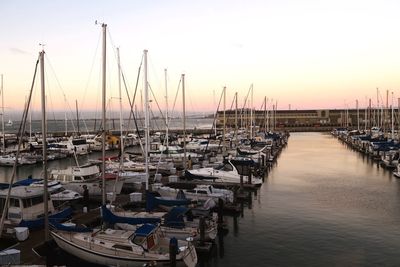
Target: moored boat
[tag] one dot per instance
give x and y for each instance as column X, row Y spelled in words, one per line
column 26, row 208
column 123, row 248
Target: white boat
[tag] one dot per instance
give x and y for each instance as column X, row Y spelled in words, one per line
column 74, row 178
column 77, row 146
column 9, row 123
column 26, row 208
column 127, row 165
column 174, row 153
column 224, row 173
column 9, row 160
column 396, row 172
column 146, row 245
column 202, row 145
column 391, row 159
column 199, row 193
column 58, row 193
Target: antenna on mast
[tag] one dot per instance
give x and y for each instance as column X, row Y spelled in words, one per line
column 96, row 22
column 42, row 45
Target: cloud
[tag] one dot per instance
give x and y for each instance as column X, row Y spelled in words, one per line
column 15, row 50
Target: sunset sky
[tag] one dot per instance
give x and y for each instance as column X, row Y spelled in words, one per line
column 306, row 54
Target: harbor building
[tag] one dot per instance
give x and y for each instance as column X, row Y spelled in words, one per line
column 310, row 119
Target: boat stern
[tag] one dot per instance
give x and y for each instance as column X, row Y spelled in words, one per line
column 189, row 255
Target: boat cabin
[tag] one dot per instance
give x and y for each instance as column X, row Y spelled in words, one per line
column 146, row 236
column 76, row 173
column 26, row 203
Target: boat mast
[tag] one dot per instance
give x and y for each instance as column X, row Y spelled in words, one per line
column 216, row 108
column 44, row 138
column 377, row 106
column 273, row 118
column 386, row 123
column 166, row 110
column 268, row 117
column 265, row 114
column 251, row 113
column 184, row 122
column 370, row 114
column 224, row 130
column 2, row 115
column 365, row 116
column 146, row 120
column 121, row 138
column 77, row 116
column 103, row 135
column 66, row 123
column 358, row 116
column 236, row 118
column 392, row 118
column 398, row 118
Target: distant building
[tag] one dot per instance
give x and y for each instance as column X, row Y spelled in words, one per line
column 326, row 118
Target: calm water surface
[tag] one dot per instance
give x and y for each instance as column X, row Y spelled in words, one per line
column 321, row 205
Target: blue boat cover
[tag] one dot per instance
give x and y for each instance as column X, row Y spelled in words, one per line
column 145, row 229
column 61, row 216
column 153, row 201
column 24, row 182
column 174, row 218
column 111, row 218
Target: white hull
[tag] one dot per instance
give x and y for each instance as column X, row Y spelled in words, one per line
column 104, row 251
column 223, row 176
column 198, row 194
column 92, row 256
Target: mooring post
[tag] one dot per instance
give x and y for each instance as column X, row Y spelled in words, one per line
column 202, row 230
column 250, row 174
column 220, row 212
column 173, row 245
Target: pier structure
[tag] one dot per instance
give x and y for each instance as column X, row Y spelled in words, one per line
column 310, row 119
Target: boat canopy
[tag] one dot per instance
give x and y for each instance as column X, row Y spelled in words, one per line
column 145, row 229
column 111, row 218
column 152, row 201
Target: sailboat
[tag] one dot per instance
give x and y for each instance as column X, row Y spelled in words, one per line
column 120, row 247
column 9, row 123
column 146, row 244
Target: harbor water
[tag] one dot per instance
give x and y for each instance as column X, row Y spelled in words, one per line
column 322, row 204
